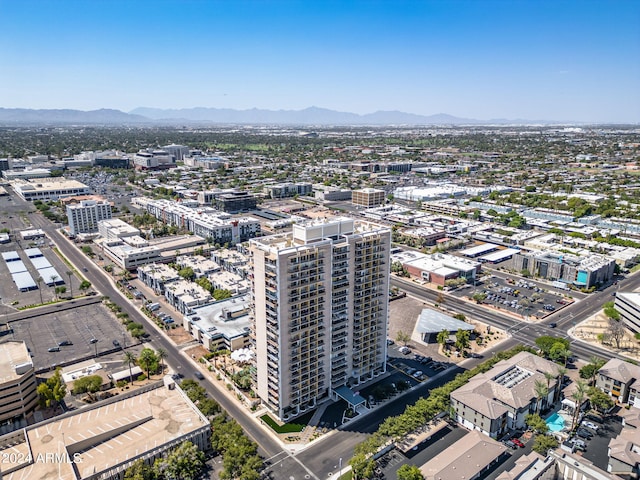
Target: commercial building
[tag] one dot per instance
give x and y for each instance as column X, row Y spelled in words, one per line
column 368, row 197
column 618, row 379
column 581, row 271
column 321, row 298
column 236, row 202
column 557, row 464
column 84, row 216
column 48, row 188
column 153, row 160
column 498, row 401
column 116, row 229
column 282, row 190
column 100, row 441
column 127, row 257
column 26, row 174
column 437, row 268
column 628, row 304
column 17, row 383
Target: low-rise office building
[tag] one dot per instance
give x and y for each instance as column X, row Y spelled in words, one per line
column 368, row 197
column 116, row 229
column 236, row 202
column 127, row 257
column 437, row 268
column 46, row 189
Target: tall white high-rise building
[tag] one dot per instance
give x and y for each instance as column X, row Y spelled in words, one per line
column 321, row 296
column 84, row 216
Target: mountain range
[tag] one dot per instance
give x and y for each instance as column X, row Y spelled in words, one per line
column 200, row 115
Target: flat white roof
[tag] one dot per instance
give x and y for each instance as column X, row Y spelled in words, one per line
column 500, row 255
column 479, row 249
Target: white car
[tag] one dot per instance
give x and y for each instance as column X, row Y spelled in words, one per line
column 590, row 425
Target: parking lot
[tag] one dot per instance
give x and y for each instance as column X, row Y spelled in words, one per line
column 518, row 296
column 78, row 326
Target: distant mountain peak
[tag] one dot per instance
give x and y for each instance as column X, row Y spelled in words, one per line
column 312, row 115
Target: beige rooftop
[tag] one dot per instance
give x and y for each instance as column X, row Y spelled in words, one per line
column 104, row 437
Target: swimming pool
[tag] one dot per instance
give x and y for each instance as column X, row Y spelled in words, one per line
column 555, row 422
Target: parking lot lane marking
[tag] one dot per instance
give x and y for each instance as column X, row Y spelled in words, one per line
column 136, row 432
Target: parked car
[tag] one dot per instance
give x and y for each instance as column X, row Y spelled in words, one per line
column 510, row 444
column 591, row 425
column 517, row 442
column 93, row 340
column 116, row 343
column 404, row 350
column 65, row 343
column 418, row 374
column 390, row 342
column 584, row 433
column 54, row 349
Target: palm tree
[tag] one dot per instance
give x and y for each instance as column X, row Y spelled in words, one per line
column 541, row 392
column 130, row 358
column 442, row 338
column 39, row 282
column 578, row 396
column 562, row 371
column 54, row 279
column 161, row 354
column 597, row 363
column 146, row 359
column 69, row 273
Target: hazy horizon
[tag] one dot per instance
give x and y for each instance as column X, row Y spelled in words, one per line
column 573, row 61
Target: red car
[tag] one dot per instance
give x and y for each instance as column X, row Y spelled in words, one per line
column 517, row 442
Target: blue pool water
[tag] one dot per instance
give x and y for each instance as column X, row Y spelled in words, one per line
column 555, row 423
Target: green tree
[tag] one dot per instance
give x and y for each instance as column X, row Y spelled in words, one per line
column 543, row 443
column 403, row 338
column 187, row 273
column 184, row 463
column 463, row 339
column 579, row 395
column 131, row 359
column 600, row 400
column 140, row 471
column 479, row 297
column 90, row 384
column 409, row 472
column 536, row 423
column 559, row 352
column 161, row 354
column 148, row 360
column 221, row 294
column 442, row 338
column 53, row 390
column 542, row 392
column 545, row 343
column 84, row 285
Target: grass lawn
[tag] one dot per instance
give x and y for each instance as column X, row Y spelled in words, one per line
column 293, row 427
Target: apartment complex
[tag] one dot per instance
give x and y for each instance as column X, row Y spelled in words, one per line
column 321, row 302
column 617, row 378
column 84, row 216
column 17, row 382
column 498, row 401
column 220, row 227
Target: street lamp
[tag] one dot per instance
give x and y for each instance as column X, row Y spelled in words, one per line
column 339, row 468
column 95, row 345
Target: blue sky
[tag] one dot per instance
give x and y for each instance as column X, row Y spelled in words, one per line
column 532, row 59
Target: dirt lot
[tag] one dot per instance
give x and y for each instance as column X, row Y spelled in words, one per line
column 403, row 316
